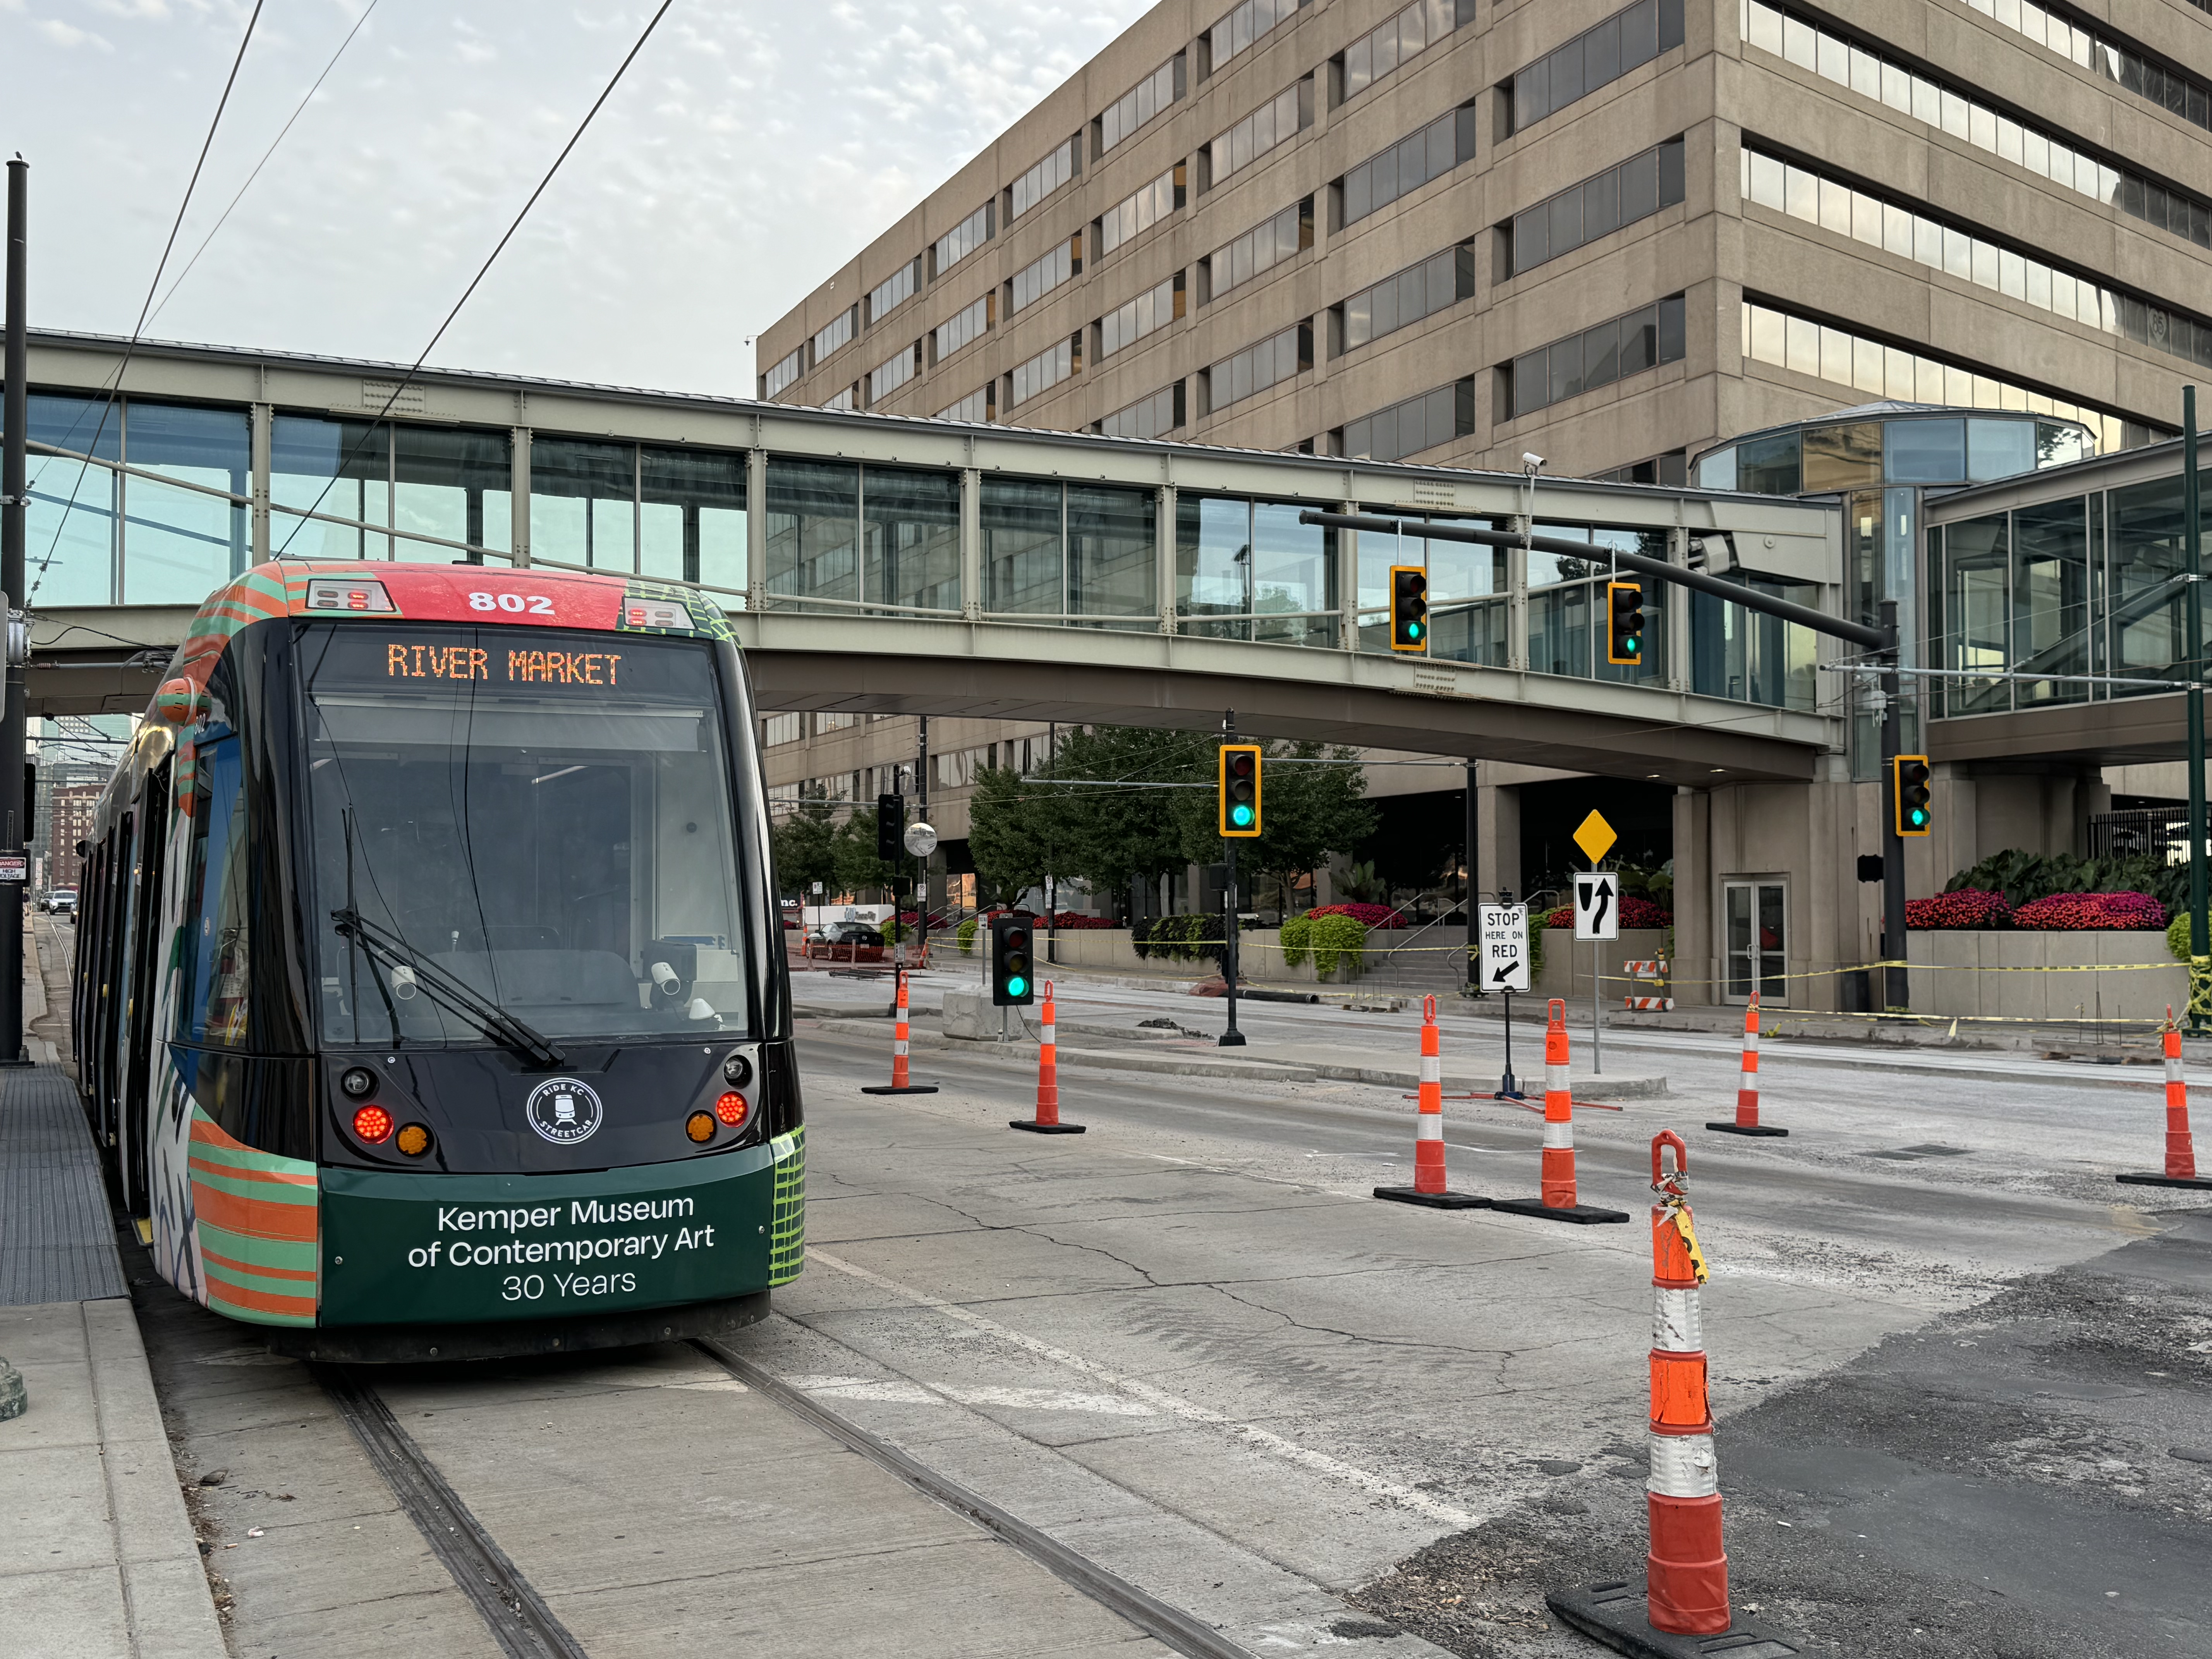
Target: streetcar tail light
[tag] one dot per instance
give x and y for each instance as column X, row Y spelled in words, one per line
column 414, row 1140
column 732, row 1110
column 700, row 1126
column 373, row 1124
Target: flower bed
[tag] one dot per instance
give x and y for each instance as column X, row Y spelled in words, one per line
column 1634, row 912
column 1367, row 915
column 1074, row 920
column 1971, row 908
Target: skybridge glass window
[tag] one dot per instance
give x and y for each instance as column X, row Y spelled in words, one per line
column 676, row 514
column 910, row 520
column 1746, row 657
column 813, row 531
column 583, row 503
column 1079, row 550
column 1467, row 585
column 1249, row 570
column 71, row 528
column 453, row 484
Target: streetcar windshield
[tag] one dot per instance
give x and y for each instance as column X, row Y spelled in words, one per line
column 544, row 817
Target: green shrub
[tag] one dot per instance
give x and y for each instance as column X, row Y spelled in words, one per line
column 1297, row 939
column 2023, row 878
column 2177, row 937
column 1178, row 938
column 966, row 932
column 1335, row 940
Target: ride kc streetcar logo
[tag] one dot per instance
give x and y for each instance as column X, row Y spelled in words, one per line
column 564, row 1111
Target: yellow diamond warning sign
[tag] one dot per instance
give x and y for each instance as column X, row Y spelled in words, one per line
column 1595, row 837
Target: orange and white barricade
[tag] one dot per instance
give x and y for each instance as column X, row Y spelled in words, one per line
column 1652, row 971
column 1746, row 1121
column 900, row 1037
column 1429, row 1187
column 2180, row 1145
column 1046, row 1121
column 1559, row 1202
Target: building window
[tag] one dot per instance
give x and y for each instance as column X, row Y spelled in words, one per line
column 1277, row 121
column 893, row 291
column 1148, row 417
column 1597, row 207
column 1407, row 428
column 875, row 535
column 2046, row 153
column 836, row 334
column 1277, row 358
column 1833, row 205
column 962, row 239
column 1670, row 470
column 1404, row 167
column 1249, row 570
column 1138, row 106
column 1413, row 31
column 675, row 513
column 779, row 376
column 1259, row 250
column 1626, row 40
column 455, row 485
column 893, row 373
column 777, row 729
column 1044, row 371
column 2157, row 84
column 1033, row 282
column 1596, row 357
column 1077, row 550
column 1150, row 311
column 963, row 328
column 1045, row 177
column 1240, row 29
column 980, row 406
column 1438, row 282
column 1141, row 211
column 847, row 400
column 1892, row 372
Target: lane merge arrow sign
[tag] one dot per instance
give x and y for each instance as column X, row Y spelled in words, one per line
column 1504, row 963
column 1597, row 908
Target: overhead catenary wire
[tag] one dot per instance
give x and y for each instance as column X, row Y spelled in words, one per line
column 115, row 385
column 415, row 368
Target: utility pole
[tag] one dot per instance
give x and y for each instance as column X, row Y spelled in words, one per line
column 1473, row 890
column 13, row 486
column 2192, row 543
column 1232, row 1038
column 1896, row 995
column 921, row 882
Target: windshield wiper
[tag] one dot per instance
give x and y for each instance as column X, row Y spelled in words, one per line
column 456, row 995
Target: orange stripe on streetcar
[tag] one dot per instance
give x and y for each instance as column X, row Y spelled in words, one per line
column 257, row 1217
column 230, row 1266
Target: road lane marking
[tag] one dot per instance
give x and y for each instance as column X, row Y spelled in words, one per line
column 1171, row 1405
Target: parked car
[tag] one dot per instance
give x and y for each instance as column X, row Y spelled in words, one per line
column 845, row 941
column 61, row 900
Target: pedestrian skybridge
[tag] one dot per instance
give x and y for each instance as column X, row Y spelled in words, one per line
column 886, row 565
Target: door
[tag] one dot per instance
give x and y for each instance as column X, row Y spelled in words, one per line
column 1758, row 941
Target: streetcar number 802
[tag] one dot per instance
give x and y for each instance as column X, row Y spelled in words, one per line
column 538, row 604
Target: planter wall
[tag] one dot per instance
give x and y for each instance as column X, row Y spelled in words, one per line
column 1942, row 984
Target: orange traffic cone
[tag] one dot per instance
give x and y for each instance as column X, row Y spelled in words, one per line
column 1747, row 1083
column 1428, row 1188
column 1558, row 1200
column 2180, row 1145
column 898, row 1084
column 1047, row 1121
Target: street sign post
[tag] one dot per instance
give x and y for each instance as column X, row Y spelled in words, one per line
column 1597, row 918
column 1504, row 959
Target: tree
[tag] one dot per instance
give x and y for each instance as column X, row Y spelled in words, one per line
column 852, row 851
column 804, row 846
column 1009, row 828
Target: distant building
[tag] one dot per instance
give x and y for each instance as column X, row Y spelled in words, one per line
column 72, row 806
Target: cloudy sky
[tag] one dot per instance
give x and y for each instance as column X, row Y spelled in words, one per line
column 753, row 147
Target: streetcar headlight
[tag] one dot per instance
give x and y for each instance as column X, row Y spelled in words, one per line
column 731, row 1108
column 358, row 1081
column 700, row 1126
column 414, row 1140
column 738, row 1071
column 373, row 1124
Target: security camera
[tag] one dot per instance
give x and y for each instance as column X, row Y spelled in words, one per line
column 1534, row 463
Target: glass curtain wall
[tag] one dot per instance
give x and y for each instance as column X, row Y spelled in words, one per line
column 911, row 523
column 1467, row 586
column 583, row 503
column 1566, row 606
column 94, row 536
column 878, row 534
column 454, row 484
column 1746, row 657
column 691, row 518
column 1082, row 551
column 1254, row 569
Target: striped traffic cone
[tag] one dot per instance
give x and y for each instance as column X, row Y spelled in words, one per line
column 1429, row 1187
column 1747, row 1083
column 1047, row 1121
column 2180, row 1145
column 898, row 1084
column 1559, row 1202
column 1684, row 1591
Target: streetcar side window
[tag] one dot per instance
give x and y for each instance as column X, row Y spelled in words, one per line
column 213, row 955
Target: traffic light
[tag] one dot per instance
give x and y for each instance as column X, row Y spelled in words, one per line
column 891, row 828
column 1014, row 967
column 1409, row 608
column 1624, row 619
column 1915, row 817
column 1240, row 789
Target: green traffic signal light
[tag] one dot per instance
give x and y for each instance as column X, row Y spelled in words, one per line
column 1413, row 630
column 1018, row 986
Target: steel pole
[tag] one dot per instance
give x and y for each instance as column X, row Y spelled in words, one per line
column 1473, row 888
column 2192, row 543
column 921, row 884
column 1230, row 1038
column 1896, row 994
column 13, row 808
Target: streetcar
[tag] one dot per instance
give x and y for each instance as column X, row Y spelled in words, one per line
column 429, row 997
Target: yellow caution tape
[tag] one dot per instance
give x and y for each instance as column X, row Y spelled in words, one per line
column 1680, row 1212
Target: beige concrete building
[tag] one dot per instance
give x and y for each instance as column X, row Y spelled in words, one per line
column 1612, row 236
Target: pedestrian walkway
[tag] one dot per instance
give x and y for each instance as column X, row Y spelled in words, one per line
column 57, row 1241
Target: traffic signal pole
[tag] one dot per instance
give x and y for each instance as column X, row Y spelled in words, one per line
column 13, row 500
column 2192, row 546
column 1230, row 1038
column 1896, row 996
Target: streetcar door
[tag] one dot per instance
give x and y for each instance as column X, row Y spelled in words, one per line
column 145, row 1056
column 106, row 1033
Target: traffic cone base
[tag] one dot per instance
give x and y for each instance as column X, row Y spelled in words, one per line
column 1747, row 1128
column 2198, row 1182
column 1614, row 1612
column 899, row 1089
column 1446, row 1200
column 1047, row 1128
column 1582, row 1214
